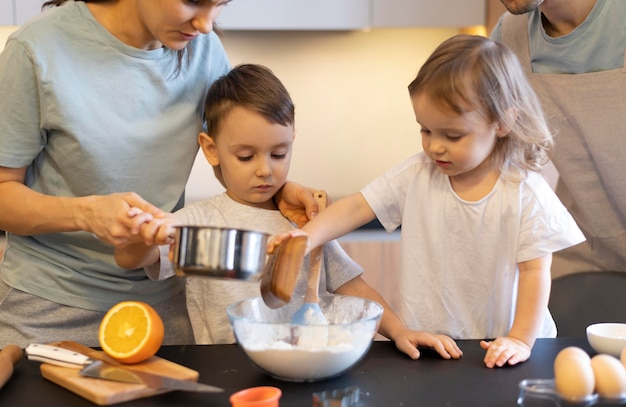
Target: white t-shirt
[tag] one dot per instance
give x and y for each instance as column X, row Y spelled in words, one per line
column 459, row 258
column 207, row 298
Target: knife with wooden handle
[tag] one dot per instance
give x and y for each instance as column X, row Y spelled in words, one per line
column 9, row 356
column 101, row 369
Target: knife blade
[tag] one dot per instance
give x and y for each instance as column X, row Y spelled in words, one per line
column 107, row 371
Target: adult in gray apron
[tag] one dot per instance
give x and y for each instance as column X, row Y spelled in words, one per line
column 588, row 114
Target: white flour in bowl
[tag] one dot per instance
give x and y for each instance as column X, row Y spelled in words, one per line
column 277, row 350
column 305, row 352
column 292, row 363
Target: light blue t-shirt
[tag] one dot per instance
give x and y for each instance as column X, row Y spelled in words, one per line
column 591, row 47
column 90, row 115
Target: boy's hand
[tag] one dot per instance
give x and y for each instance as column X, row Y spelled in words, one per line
column 153, row 231
column 296, row 203
column 505, row 349
column 407, row 341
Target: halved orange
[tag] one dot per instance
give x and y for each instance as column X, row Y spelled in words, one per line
column 131, row 332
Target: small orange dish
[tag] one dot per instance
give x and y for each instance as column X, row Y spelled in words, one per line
column 262, row 396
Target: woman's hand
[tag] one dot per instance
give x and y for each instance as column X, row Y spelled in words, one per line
column 505, row 350
column 107, row 217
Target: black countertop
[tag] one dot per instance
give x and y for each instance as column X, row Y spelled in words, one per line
column 385, row 377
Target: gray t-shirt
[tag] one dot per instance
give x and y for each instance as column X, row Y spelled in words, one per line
column 207, row 299
column 90, row 115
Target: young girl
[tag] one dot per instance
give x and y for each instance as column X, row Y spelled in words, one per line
column 479, row 223
column 249, row 142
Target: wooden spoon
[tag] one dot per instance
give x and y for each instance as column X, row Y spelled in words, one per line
column 310, row 312
column 281, row 271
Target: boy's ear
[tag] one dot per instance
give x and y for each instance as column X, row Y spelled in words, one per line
column 207, row 144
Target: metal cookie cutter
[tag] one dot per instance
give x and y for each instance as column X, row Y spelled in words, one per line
column 347, row 397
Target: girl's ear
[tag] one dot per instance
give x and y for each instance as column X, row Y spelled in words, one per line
column 207, row 144
column 502, row 130
column 503, row 127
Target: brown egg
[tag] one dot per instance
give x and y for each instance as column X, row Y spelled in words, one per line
column 610, row 376
column 571, row 351
column 573, row 376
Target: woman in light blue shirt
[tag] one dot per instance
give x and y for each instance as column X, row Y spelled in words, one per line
column 102, row 104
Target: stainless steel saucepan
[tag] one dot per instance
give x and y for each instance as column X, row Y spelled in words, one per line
column 220, row 252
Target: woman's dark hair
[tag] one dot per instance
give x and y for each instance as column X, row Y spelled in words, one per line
column 181, row 53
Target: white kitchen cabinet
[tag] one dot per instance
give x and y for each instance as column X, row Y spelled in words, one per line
column 440, row 13
column 6, row 12
column 295, row 15
column 26, row 9
column 16, row 12
column 350, row 14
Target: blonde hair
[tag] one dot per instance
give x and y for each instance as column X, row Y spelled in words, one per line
column 468, row 72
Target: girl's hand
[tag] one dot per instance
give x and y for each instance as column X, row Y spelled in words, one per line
column 505, row 350
column 407, row 341
column 276, row 240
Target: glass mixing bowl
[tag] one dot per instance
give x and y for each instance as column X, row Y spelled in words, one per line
column 278, row 347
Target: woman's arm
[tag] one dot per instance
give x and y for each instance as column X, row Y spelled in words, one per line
column 27, row 212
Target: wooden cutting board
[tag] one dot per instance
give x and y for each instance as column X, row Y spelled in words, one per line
column 106, row 392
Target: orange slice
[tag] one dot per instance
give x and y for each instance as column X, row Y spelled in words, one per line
column 131, row 332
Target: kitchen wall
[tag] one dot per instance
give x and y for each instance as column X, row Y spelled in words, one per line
column 5, row 30
column 353, row 115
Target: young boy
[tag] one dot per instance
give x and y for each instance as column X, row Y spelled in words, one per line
column 249, row 140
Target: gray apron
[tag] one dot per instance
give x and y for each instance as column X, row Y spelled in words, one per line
column 587, row 112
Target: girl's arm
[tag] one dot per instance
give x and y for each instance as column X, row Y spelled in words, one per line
column 335, row 221
column 533, row 294
column 392, row 327
column 338, row 219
